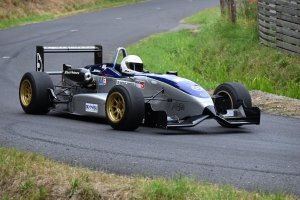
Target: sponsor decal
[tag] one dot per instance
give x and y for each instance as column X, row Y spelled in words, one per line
column 71, row 72
column 89, row 107
column 125, row 83
column 138, row 84
column 107, row 74
column 70, row 48
column 102, row 81
column 197, row 88
column 178, row 106
column 39, row 62
column 204, row 94
column 96, row 70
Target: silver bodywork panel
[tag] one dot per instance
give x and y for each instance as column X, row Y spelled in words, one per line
column 173, row 101
column 89, row 104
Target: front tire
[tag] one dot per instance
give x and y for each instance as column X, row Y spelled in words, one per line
column 231, row 92
column 125, row 107
column 33, row 94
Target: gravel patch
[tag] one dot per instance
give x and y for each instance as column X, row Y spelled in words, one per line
column 274, row 104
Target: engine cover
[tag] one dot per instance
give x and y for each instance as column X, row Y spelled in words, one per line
column 80, row 75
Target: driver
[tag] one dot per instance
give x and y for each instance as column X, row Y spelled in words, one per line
column 132, row 64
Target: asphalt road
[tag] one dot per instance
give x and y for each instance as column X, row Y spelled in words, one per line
column 264, row 157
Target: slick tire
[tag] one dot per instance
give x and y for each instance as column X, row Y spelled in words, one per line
column 232, row 92
column 33, row 95
column 125, row 107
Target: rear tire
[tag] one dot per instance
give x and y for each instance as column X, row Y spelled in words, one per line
column 33, row 94
column 232, row 92
column 125, row 107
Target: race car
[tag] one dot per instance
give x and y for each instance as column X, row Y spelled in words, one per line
column 128, row 95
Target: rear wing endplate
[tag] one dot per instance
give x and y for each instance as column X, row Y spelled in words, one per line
column 41, row 50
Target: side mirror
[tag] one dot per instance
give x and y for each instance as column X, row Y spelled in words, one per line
column 172, row 73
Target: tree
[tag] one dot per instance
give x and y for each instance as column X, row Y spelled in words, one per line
column 231, row 9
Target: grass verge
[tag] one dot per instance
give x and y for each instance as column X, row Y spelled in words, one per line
column 30, row 176
column 20, row 12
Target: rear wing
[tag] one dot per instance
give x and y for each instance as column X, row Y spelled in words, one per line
column 41, row 50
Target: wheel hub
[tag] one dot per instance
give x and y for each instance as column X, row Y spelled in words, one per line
column 225, row 103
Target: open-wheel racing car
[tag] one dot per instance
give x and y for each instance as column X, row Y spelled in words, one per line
column 128, row 96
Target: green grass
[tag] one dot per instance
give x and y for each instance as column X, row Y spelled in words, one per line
column 29, row 176
column 21, row 12
column 186, row 188
column 221, row 51
column 26, row 20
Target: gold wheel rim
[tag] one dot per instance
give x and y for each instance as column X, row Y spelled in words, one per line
column 115, row 107
column 26, row 93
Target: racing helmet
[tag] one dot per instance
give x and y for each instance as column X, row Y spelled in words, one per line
column 131, row 64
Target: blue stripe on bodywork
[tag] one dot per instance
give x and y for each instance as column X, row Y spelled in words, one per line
column 182, row 84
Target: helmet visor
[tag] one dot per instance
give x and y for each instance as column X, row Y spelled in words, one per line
column 136, row 66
